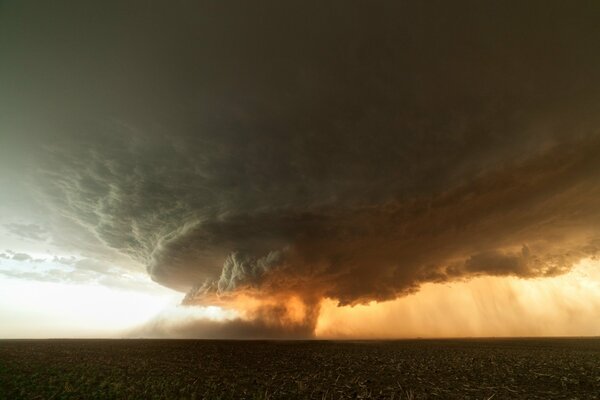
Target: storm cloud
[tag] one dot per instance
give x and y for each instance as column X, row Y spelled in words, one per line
column 350, row 151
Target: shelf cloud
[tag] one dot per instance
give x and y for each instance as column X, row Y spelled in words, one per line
column 353, row 153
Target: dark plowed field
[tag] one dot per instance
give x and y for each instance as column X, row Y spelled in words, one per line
column 195, row 369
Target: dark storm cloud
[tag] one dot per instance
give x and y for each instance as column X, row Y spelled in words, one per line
column 354, row 152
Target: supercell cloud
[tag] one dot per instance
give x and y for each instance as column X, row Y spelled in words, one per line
column 276, row 152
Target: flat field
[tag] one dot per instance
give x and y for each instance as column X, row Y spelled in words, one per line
column 197, row 369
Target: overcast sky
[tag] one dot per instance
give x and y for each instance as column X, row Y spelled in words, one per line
column 271, row 158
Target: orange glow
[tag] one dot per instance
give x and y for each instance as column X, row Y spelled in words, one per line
column 275, row 309
column 567, row 305
column 278, row 309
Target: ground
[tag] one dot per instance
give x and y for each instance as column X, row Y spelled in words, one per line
column 197, row 369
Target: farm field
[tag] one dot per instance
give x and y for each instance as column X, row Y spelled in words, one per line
column 198, row 369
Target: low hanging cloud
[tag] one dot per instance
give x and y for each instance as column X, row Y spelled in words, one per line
column 354, row 159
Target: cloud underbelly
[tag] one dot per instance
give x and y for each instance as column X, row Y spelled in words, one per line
column 526, row 221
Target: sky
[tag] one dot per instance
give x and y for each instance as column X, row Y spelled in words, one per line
column 299, row 170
